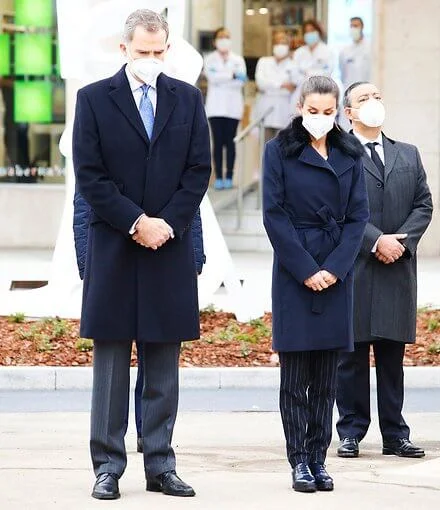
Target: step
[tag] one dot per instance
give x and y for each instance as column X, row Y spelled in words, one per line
column 244, row 240
column 251, row 220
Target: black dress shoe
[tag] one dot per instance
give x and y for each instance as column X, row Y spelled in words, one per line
column 169, row 483
column 348, row 448
column 303, row 480
column 402, row 448
column 324, row 482
column 140, row 445
column 106, row 487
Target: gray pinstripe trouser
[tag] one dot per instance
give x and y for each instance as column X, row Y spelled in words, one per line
column 110, row 398
column 307, row 397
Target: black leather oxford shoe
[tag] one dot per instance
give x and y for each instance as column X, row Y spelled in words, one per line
column 140, row 445
column 106, row 487
column 303, row 480
column 169, row 483
column 348, row 448
column 324, row 482
column 402, row 448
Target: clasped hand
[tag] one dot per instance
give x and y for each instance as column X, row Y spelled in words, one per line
column 152, row 232
column 389, row 249
column 320, row 281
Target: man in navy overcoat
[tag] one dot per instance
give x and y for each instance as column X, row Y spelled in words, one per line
column 142, row 161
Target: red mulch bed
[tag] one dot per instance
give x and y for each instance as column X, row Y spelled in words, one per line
column 224, row 342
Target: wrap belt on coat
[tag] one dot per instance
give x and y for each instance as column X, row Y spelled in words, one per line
column 332, row 226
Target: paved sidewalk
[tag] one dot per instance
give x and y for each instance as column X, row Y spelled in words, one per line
column 234, row 461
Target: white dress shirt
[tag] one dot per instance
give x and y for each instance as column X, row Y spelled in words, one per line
column 378, row 141
column 136, row 90
column 381, row 154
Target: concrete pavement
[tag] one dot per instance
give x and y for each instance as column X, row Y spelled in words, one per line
column 234, row 461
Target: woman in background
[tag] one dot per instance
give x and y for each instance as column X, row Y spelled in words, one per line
column 226, row 75
column 314, row 57
column 276, row 78
column 315, row 211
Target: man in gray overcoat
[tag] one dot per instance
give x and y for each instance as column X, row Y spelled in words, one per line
column 385, row 299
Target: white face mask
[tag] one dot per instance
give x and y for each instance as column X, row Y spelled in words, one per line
column 223, row 44
column 371, row 113
column 318, row 125
column 356, row 34
column 280, row 50
column 145, row 68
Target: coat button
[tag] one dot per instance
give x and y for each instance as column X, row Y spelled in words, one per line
column 379, row 185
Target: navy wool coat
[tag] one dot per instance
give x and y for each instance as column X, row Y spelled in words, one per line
column 132, row 292
column 315, row 213
column 81, row 220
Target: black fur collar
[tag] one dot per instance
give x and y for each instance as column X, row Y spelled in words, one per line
column 294, row 138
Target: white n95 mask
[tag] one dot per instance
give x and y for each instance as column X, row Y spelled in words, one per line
column 372, row 113
column 280, row 50
column 223, row 44
column 318, row 125
column 147, row 69
column 356, row 33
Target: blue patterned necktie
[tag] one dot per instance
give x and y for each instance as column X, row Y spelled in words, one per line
column 147, row 111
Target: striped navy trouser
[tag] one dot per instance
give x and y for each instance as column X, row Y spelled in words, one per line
column 307, row 397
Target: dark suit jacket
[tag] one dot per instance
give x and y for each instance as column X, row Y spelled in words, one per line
column 386, row 295
column 131, row 292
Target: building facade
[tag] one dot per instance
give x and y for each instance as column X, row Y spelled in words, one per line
column 406, row 66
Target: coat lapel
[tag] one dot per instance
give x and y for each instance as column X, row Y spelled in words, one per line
column 337, row 162
column 312, row 157
column 166, row 101
column 122, row 95
column 391, row 153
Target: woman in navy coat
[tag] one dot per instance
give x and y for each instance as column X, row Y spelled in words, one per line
column 315, row 212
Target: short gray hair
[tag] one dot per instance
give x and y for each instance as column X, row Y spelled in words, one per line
column 149, row 20
column 319, row 85
column 347, row 94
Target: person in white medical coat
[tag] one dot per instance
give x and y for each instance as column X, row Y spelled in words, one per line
column 315, row 57
column 354, row 63
column 276, row 78
column 226, row 75
column 355, row 59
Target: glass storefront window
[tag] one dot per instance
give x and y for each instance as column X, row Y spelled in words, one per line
column 32, row 101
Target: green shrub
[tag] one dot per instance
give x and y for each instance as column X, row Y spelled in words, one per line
column 246, row 351
column 44, row 343
column 208, row 309
column 261, row 327
column 433, row 324
column 84, row 344
column 17, row 317
column 434, row 348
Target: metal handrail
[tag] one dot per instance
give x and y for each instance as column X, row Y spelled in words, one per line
column 258, row 122
column 252, row 125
